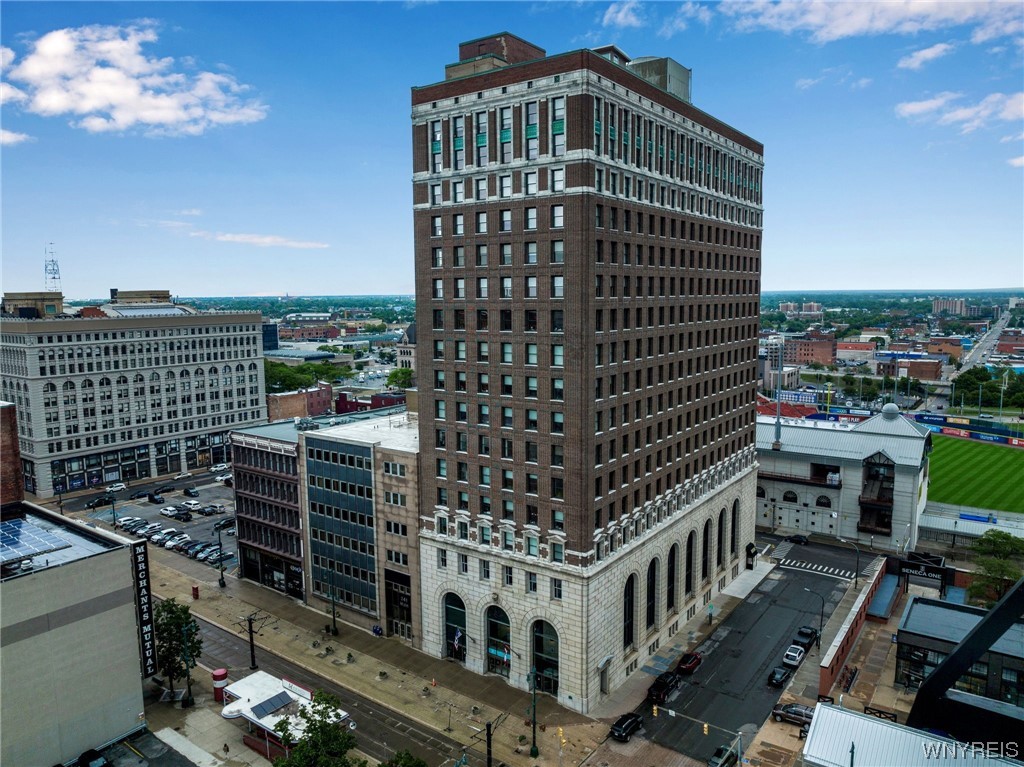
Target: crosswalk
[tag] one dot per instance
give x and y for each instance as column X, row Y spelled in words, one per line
column 834, row 572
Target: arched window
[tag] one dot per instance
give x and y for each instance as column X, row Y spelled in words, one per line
column 760, row 492
column 720, row 548
column 499, row 641
column 734, row 527
column 545, row 656
column 823, row 502
column 138, row 378
column 652, row 593
column 705, row 553
column 789, row 496
column 68, row 386
column 628, row 608
column 87, row 384
column 691, row 554
column 51, row 387
column 154, row 378
column 455, row 627
column 671, row 578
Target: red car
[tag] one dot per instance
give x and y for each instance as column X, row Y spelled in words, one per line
column 689, row 663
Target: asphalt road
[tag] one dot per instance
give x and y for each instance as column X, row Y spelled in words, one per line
column 381, row 732
column 729, row 691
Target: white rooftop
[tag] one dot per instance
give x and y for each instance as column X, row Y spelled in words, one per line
column 247, row 695
column 395, row 432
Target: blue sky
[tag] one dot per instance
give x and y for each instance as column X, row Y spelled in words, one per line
column 264, row 148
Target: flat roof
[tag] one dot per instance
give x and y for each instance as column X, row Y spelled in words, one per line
column 951, row 622
column 396, row 432
column 66, row 540
column 834, row 730
column 265, row 700
column 286, row 431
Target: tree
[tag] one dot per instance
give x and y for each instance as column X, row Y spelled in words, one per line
column 999, row 565
column 323, row 740
column 404, row 759
column 400, row 378
column 178, row 642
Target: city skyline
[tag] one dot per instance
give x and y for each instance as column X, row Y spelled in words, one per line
column 204, row 148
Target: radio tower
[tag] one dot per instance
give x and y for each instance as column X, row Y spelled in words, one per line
column 52, row 270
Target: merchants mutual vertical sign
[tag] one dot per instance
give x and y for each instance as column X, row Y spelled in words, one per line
column 144, row 605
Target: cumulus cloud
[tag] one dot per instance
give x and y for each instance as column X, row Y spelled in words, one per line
column 11, row 95
column 102, row 78
column 679, row 21
column 918, row 108
column 1016, row 162
column 260, row 240
column 826, row 21
column 6, row 57
column 10, row 138
column 994, row 107
column 918, row 59
column 625, row 14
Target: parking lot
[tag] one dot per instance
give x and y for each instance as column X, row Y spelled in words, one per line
column 192, row 506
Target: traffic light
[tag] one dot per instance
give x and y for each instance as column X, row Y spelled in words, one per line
column 706, row 728
column 654, row 711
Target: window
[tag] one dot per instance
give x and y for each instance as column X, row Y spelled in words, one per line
column 507, row 480
column 481, row 287
column 483, row 415
column 530, row 284
column 789, row 497
column 485, row 476
column 530, row 182
column 506, row 288
column 442, row 558
column 557, row 355
column 438, row 289
column 558, row 251
column 531, row 386
column 435, row 194
column 507, row 575
column 531, row 354
column 530, row 218
column 481, row 255
column 531, row 583
column 438, row 350
column 557, row 455
column 481, row 183
column 508, row 540
column 437, row 258
column 558, row 423
column 442, row 467
column 505, row 186
column 529, row 253
column 459, row 256
column 458, row 192
column 460, row 350
column 506, row 353
column 485, row 570
column 505, row 133
column 823, row 502
column 506, row 252
column 532, row 136
column 556, row 588
column 557, row 321
column 558, row 177
column 435, row 226
column 460, row 287
column 439, row 409
column 481, row 222
column 557, row 519
column 458, row 224
column 463, row 564
column 558, row 286
column 532, row 546
column 506, row 386
column 531, row 420
column 394, row 469
column 439, row 379
column 482, row 351
column 506, row 221
column 557, row 216
column 557, row 552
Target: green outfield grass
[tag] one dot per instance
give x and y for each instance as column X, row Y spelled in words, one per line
column 970, row 473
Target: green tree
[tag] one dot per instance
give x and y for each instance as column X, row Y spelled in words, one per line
column 178, row 642
column 1000, row 557
column 404, row 759
column 322, row 740
column 400, row 378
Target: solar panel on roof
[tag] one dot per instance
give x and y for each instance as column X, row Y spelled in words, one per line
column 270, row 705
column 21, row 540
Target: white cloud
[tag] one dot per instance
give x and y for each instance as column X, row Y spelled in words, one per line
column 807, row 82
column 10, row 138
column 826, row 21
column 918, row 108
column 11, row 95
column 1016, row 162
column 260, row 240
column 995, row 106
column 625, row 14
column 679, row 21
column 918, row 59
column 101, row 76
column 860, row 84
column 6, row 57
column 190, row 212
column 1008, row 139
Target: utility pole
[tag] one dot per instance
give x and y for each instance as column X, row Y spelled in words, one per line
column 250, row 621
column 252, row 642
column 220, row 564
column 334, row 611
column 533, row 717
column 188, row 701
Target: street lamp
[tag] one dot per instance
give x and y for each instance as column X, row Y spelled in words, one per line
column 534, row 752
column 856, row 572
column 821, row 619
column 334, row 612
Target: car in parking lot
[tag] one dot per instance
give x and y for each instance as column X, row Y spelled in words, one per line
column 164, row 489
column 224, row 524
column 155, row 498
column 138, row 494
column 183, row 475
column 794, row 713
column 689, row 663
column 724, row 756
column 662, row 687
column 134, row 524
column 116, row 487
column 145, row 530
column 626, row 726
column 218, row 467
column 196, row 552
column 208, row 511
column 223, row 477
column 192, row 505
column 100, row 500
column 794, row 656
column 169, row 511
column 222, row 556
column 191, row 492
column 174, row 540
column 800, row 539
column 182, row 515
column 207, row 553
column 805, row 637
column 779, row 676
column 161, row 536
column 123, row 522
column 191, row 546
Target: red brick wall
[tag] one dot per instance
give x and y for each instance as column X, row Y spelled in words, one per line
column 12, row 486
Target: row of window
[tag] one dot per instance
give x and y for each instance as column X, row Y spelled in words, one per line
column 528, row 451
column 554, row 354
column 556, row 287
column 478, row 189
column 556, row 254
column 529, row 388
column 530, row 579
column 530, row 320
column 556, row 220
column 556, row 492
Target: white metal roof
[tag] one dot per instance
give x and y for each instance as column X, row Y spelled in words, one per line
column 877, row 742
column 259, row 687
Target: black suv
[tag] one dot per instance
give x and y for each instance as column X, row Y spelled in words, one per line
column 793, row 712
column 626, row 725
column 164, row 489
column 100, row 500
column 662, row 687
column 224, row 524
column 805, row 637
column 191, row 492
column 779, row 676
column 138, row 494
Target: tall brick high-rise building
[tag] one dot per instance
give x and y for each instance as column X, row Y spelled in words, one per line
column 587, row 289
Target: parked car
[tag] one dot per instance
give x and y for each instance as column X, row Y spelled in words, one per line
column 224, row 524
column 146, row 530
column 191, row 492
column 218, row 467
column 689, row 663
column 100, row 500
column 724, row 756
column 182, row 516
column 795, row 713
column 794, row 656
column 183, row 475
column 231, row 531
column 164, row 489
column 779, row 676
column 194, row 553
column 135, row 524
column 193, row 546
column 192, row 505
column 168, row 511
column 161, row 536
column 155, row 498
column 174, row 540
column 223, row 477
column 123, row 522
column 805, row 637
column 801, row 539
column 626, row 726
column 116, row 487
column 662, row 687
column 222, row 556
column 208, row 511
column 207, row 553
column 138, row 494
